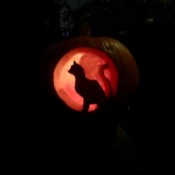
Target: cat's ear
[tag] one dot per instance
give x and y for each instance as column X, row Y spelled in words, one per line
column 75, row 62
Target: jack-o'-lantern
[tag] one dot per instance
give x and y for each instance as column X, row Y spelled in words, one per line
column 87, row 72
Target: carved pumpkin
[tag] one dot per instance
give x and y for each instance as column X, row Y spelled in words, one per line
column 115, row 81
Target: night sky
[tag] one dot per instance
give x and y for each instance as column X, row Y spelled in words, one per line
column 76, row 3
column 137, row 136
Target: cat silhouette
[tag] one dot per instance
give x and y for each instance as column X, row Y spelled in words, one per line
column 90, row 90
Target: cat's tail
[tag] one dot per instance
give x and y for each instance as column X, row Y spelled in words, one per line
column 102, row 74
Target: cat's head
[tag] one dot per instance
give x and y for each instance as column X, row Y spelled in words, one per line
column 75, row 69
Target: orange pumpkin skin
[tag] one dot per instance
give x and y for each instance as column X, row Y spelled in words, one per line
column 122, row 58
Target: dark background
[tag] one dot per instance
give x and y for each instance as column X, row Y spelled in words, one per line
column 49, row 138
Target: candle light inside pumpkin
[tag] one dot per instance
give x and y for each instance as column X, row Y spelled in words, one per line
column 91, row 60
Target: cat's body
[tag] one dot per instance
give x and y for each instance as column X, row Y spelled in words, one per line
column 90, row 90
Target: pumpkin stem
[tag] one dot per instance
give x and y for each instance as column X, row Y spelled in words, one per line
column 85, row 29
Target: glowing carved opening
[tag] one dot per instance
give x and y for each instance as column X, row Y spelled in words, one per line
column 91, row 60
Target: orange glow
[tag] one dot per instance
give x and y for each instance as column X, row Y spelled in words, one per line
column 90, row 59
